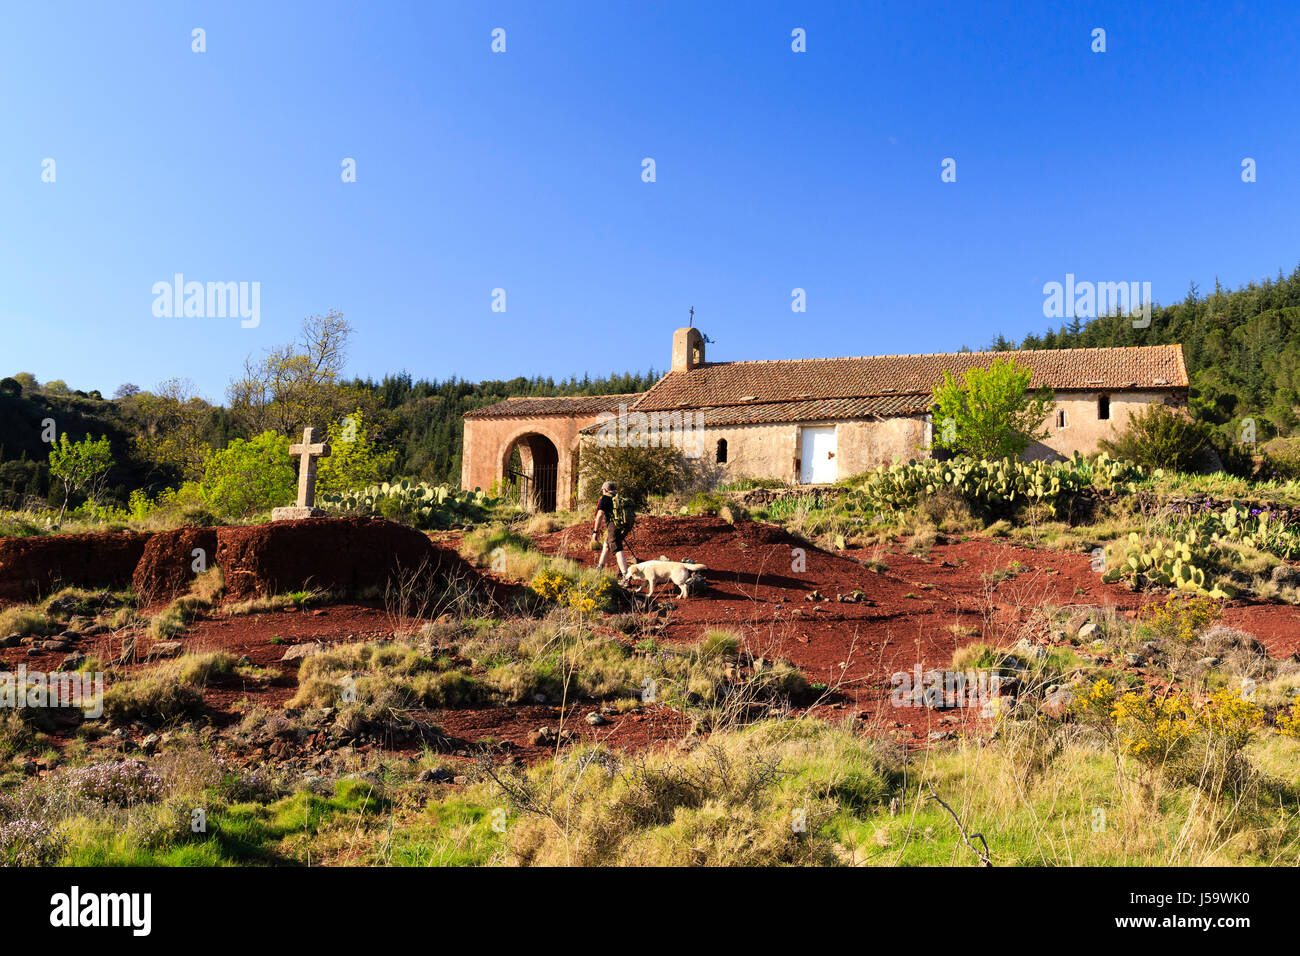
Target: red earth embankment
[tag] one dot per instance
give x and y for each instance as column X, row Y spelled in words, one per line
column 332, row 554
column 171, row 560
column 30, row 567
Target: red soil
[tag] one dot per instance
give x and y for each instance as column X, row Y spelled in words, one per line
column 335, row 554
column 31, row 566
column 167, row 566
column 917, row 612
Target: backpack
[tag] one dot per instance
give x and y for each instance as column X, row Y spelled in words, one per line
column 624, row 514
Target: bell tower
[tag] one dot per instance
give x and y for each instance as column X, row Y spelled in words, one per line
column 688, row 349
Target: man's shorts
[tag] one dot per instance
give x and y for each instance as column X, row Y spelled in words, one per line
column 613, row 539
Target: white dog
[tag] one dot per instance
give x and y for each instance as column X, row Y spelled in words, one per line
column 663, row 570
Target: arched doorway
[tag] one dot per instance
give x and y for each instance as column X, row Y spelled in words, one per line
column 531, row 468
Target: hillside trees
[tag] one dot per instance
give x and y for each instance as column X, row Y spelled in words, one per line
column 174, row 424
column 1242, row 349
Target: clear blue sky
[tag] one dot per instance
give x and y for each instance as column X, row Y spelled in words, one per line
column 522, row 171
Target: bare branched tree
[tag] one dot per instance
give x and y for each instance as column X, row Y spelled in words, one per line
column 297, row 384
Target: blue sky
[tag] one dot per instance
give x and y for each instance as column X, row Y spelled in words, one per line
column 522, row 170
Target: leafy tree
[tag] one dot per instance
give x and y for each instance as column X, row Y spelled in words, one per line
column 126, row 390
column 80, row 467
column 1159, row 437
column 638, row 471
column 989, row 413
column 353, row 461
column 11, row 386
column 247, row 477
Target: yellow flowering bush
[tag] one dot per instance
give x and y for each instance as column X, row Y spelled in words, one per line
column 1097, row 701
column 552, row 585
column 1288, row 721
column 1180, row 619
column 1153, row 731
column 1187, row 741
column 591, row 597
column 586, row 597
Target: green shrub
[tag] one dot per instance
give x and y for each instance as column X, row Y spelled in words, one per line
column 247, row 477
column 1160, row 437
column 638, row 471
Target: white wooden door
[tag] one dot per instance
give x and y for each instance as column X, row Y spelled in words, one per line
column 817, row 455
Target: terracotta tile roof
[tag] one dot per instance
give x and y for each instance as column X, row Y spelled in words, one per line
column 566, row 405
column 801, row 381
column 835, row 409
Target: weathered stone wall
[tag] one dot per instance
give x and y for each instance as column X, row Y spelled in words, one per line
column 1083, row 429
column 773, row 451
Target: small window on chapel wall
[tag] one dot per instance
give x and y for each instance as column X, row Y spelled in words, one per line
column 1060, row 419
column 1103, row 408
column 722, row 451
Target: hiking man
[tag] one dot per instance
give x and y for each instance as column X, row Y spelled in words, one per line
column 615, row 512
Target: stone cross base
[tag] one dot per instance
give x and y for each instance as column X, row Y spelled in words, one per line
column 293, row 513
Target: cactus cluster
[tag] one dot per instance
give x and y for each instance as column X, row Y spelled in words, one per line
column 425, row 505
column 1181, row 562
column 998, row 484
column 1190, row 550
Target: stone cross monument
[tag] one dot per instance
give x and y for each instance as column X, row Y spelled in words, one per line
column 307, row 453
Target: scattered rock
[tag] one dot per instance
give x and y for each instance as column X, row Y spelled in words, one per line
column 57, row 646
column 164, row 649
column 299, row 651
column 150, row 743
column 1027, row 648
column 438, row 775
column 1134, row 660
column 1056, row 702
column 1087, row 629
column 542, row 737
column 596, row 719
column 13, row 640
column 72, row 662
column 1286, row 576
